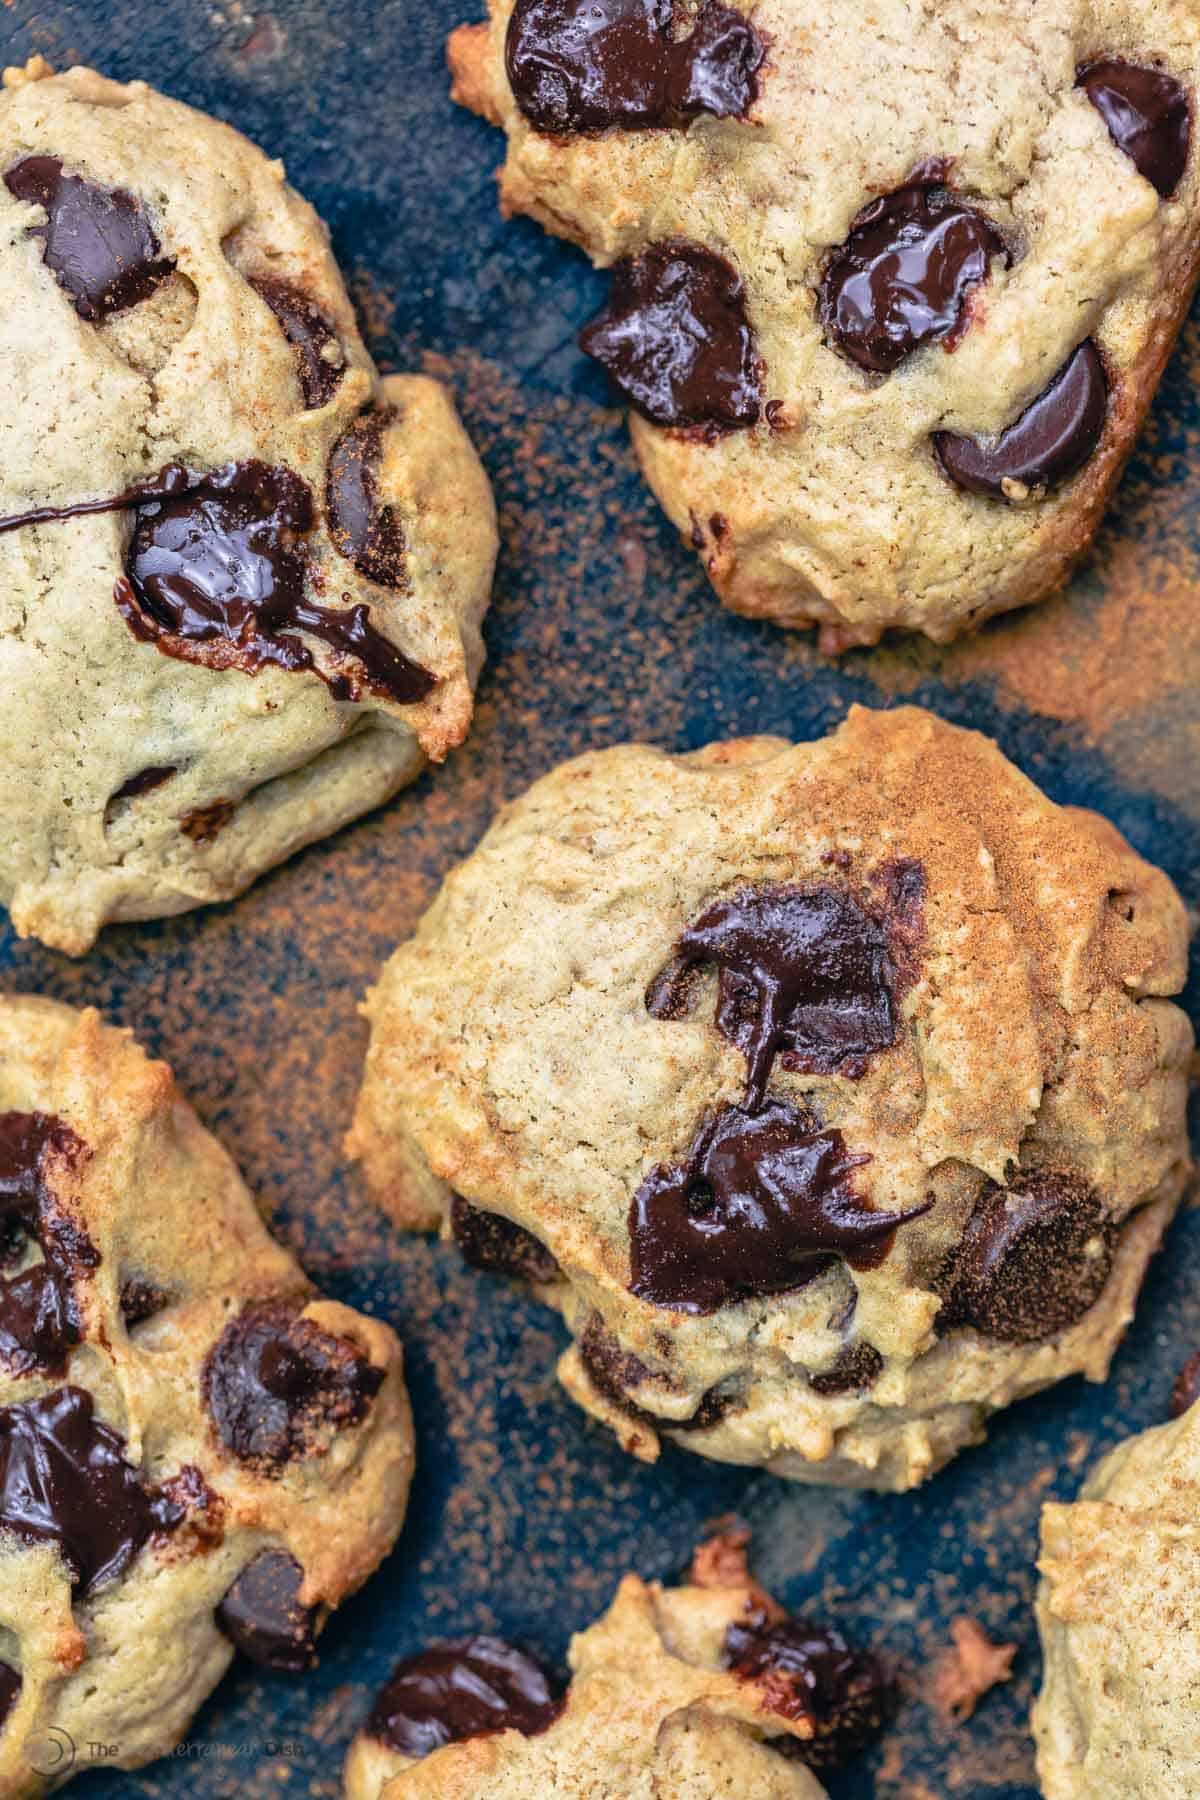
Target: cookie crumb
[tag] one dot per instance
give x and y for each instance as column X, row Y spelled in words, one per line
column 965, row 1673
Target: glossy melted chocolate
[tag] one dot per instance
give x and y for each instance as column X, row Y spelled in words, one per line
column 1148, row 115
column 761, row 1205
column 461, row 1688
column 98, row 242
column 588, row 65
column 806, row 974
column 904, row 275
column 810, row 1672
column 64, row 1481
column 676, row 341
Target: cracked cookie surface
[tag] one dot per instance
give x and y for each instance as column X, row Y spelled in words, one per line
column 198, row 1454
column 833, row 1092
column 691, row 1691
column 855, row 265
column 242, row 575
column 1118, row 1611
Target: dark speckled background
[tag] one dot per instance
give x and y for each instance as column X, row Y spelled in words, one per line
column 524, row 1515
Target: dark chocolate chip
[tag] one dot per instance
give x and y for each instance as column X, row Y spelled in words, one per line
column 461, row 1688
column 489, row 1241
column 614, row 1371
column 857, row 1367
column 904, row 275
column 578, row 66
column 1033, row 1259
column 10, row 1690
column 809, row 1671
column 1148, row 116
column 276, row 1385
column 806, row 973
column 364, row 530
column 140, row 1300
column 98, row 242
column 675, row 338
column 204, row 824
column 1186, row 1391
column 1051, row 440
column 761, row 1205
column 144, row 782
column 64, row 1480
column 262, row 1615
column 215, row 575
column 310, row 334
column 40, row 1321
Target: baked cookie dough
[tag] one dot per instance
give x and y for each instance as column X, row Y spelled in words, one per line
column 1119, row 1614
column 198, row 1454
column 241, row 575
column 891, row 294
column 694, row 1691
column 832, row 1091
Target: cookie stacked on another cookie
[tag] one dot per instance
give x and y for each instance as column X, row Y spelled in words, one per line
column 197, row 1453
column 693, row 1691
column 833, row 1092
column 1119, row 1613
column 241, row 576
column 891, row 293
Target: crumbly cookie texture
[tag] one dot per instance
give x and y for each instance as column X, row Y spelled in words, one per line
column 1119, row 1614
column 277, row 622
column 832, row 1091
column 693, row 1691
column 197, row 1452
column 850, row 265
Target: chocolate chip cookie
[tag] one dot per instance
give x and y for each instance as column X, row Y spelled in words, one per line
column 198, row 1454
column 890, row 295
column 832, row 1091
column 699, row 1690
column 1119, row 1614
column 241, row 576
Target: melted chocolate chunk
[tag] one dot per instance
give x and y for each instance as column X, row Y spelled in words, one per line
column 488, row 1241
column 613, row 1371
column 904, row 275
column 64, row 1480
column 310, row 334
column 1186, row 1391
column 215, row 575
column 1033, row 1259
column 675, row 339
column 10, row 1690
column 810, row 1672
column 461, row 1688
column 762, row 1204
column 144, row 782
column 806, row 973
column 261, row 1614
column 364, row 530
column 577, row 66
column 1051, row 440
column 40, row 1321
column 97, row 241
column 858, row 1367
column 276, row 1384
column 1148, row 116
